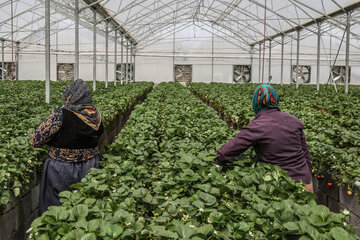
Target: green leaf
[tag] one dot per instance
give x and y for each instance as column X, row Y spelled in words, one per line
column 292, row 226
column 138, row 226
column 208, row 198
column 161, row 231
column 185, row 231
column 139, row 193
column 88, row 236
column 80, row 211
column 339, row 233
column 205, row 229
column 16, row 191
column 93, row 225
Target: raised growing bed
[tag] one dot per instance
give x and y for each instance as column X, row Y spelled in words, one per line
column 327, row 191
column 21, row 212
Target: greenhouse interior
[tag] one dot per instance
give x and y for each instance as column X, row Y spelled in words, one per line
column 168, row 119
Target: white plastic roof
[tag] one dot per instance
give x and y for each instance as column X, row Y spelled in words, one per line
column 146, row 22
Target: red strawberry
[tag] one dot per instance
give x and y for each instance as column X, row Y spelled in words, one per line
column 322, row 176
column 318, row 177
column 329, row 185
column 349, row 193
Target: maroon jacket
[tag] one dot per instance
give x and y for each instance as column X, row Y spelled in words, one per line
column 277, row 138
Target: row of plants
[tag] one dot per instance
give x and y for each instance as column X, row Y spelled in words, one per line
column 332, row 125
column 23, row 108
column 159, row 181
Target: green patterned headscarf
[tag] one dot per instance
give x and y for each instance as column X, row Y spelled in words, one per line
column 265, row 97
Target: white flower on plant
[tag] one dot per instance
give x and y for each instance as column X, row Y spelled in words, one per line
column 192, row 226
column 215, row 232
column 251, row 234
column 345, row 224
column 201, row 209
column 29, row 161
column 29, row 230
column 346, row 212
column 127, row 224
column 209, row 221
column 209, row 174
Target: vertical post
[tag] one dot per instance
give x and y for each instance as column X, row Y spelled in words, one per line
column 106, row 54
column 259, row 62
column 291, row 61
column 17, row 60
column 212, row 57
column 297, row 57
column 2, row 59
column 282, row 59
column 130, row 65
column 269, row 60
column 174, row 74
column 347, row 52
column 47, row 51
column 115, row 57
column 318, row 56
column 122, row 59
column 127, row 62
column 94, row 50
column 76, row 73
column 252, row 60
column 134, row 62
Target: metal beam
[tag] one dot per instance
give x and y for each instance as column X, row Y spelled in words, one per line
column 282, row 59
column 127, row 62
column 269, row 60
column 348, row 15
column 47, row 49
column 2, row 59
column 115, row 57
column 252, row 60
column 108, row 18
column 94, row 51
column 122, row 59
column 259, row 63
column 312, row 22
column 212, row 57
column 76, row 74
column 297, row 58
column 107, row 54
column 318, row 57
column 17, row 60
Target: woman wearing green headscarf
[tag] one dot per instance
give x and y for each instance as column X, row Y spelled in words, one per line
column 276, row 136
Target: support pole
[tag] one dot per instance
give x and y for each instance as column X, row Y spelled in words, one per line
column 269, row 61
column 2, row 59
column 297, row 58
column 130, row 65
column 318, row 57
column 47, row 51
column 115, row 57
column 252, row 60
column 348, row 14
column 94, row 51
column 282, row 59
column 259, row 63
column 106, row 54
column 134, row 62
column 17, row 60
column 122, row 60
column 127, row 62
column 212, row 57
column 76, row 73
column 174, row 74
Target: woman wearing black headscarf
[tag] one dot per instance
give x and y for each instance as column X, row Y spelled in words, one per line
column 72, row 134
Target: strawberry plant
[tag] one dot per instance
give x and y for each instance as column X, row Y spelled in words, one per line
column 332, row 125
column 22, row 110
column 159, row 181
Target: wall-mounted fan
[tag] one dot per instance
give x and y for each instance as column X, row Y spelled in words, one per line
column 304, row 74
column 7, row 70
column 183, row 73
column 338, row 74
column 65, row 72
column 121, row 70
column 242, row 73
